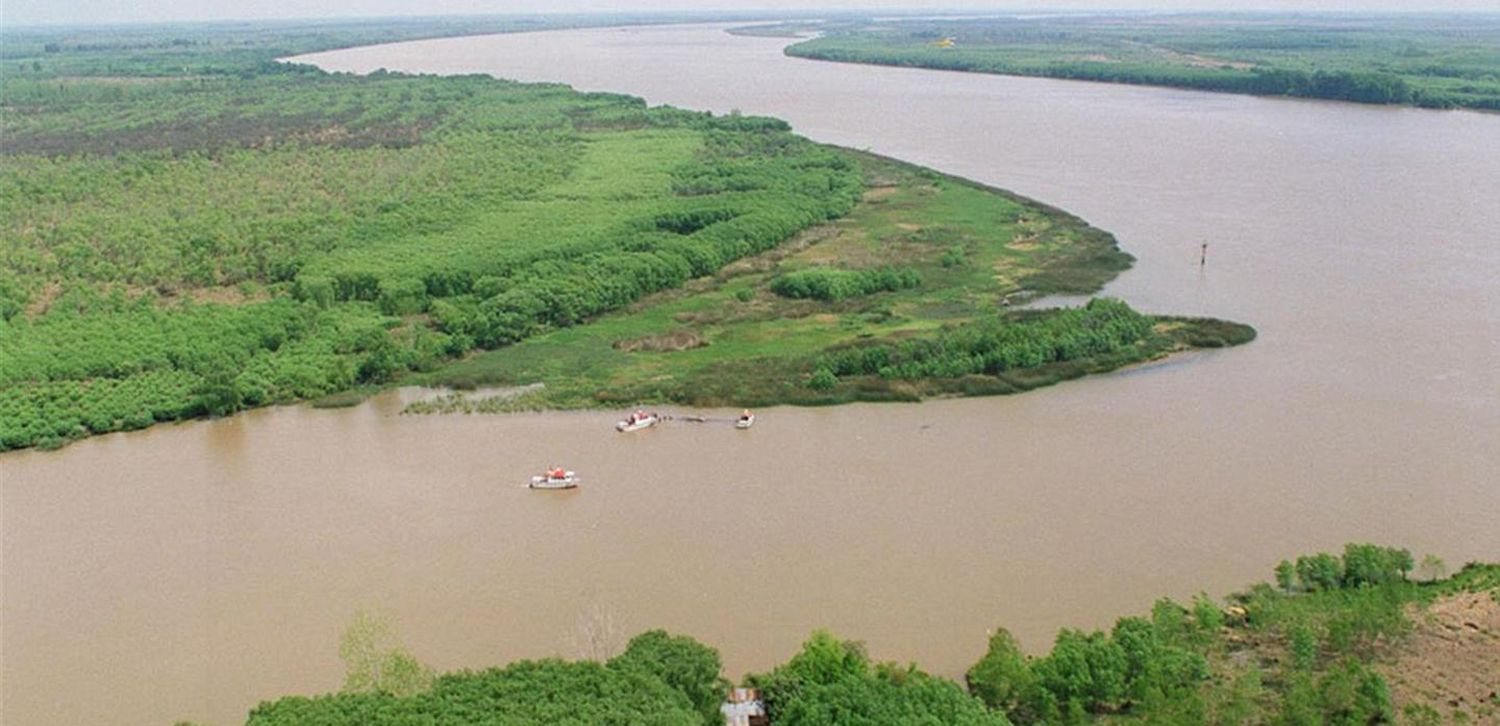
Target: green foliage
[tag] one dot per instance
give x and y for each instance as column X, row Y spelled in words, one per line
column 199, row 245
column 763, row 349
column 822, row 380
column 831, row 682
column 1101, row 327
column 1421, row 714
column 1367, row 564
column 1285, row 575
column 526, row 693
column 833, row 284
column 1086, row 669
column 1002, row 678
column 686, row 665
column 1138, row 666
column 375, row 662
column 1319, row 572
column 1349, row 693
column 1153, row 670
column 1207, row 615
column 1304, row 646
column 1434, row 61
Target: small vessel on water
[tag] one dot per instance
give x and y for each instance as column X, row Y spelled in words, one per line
column 638, row 420
column 555, row 478
column 746, row 420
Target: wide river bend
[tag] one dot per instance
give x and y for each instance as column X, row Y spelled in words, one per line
column 188, row 571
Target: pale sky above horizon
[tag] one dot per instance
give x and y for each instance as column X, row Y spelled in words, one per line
column 117, row 11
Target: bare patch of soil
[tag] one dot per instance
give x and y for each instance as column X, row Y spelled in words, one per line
column 1451, row 662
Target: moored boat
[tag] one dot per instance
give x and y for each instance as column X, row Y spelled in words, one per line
column 745, row 421
column 555, row 479
column 638, row 420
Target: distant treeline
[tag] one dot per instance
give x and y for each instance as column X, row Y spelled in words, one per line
column 1447, row 63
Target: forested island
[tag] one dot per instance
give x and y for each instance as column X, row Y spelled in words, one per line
column 1429, row 60
column 194, row 228
column 1366, row 637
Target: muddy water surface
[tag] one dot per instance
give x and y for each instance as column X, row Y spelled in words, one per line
column 189, row 571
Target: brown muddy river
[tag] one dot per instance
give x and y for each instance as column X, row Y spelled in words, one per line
column 189, row 571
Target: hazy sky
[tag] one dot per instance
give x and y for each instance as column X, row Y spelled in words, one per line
column 107, row 11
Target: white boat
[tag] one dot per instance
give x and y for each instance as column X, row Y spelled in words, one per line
column 637, row 421
column 745, row 421
column 555, row 479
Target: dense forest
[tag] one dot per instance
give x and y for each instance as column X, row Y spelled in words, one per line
column 1320, row 646
column 177, row 246
column 1438, row 61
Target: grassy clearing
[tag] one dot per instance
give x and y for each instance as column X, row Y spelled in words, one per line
column 729, row 340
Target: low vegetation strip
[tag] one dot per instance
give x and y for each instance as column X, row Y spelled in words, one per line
column 1321, row 645
column 1433, row 61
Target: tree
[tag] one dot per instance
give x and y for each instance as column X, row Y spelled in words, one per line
column 1206, row 614
column 912, row 697
column 376, row 662
column 1088, row 669
column 1304, row 646
column 832, row 683
column 1002, row 678
column 1319, row 572
column 682, row 663
column 217, row 394
column 1367, row 564
column 1285, row 576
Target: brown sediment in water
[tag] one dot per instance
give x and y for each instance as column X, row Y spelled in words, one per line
column 218, row 561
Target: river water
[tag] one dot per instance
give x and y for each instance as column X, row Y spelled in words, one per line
column 189, row 571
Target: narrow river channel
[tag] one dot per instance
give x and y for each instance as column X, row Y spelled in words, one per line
column 189, row 571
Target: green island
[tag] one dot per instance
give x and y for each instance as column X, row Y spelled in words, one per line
column 1337, row 639
column 242, row 232
column 1430, row 60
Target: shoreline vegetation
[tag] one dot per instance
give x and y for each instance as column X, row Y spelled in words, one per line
column 197, row 229
column 1342, row 639
column 977, row 255
column 1424, row 60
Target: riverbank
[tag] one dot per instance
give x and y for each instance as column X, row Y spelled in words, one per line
column 1431, row 61
column 383, row 251
column 731, row 340
column 1325, row 644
